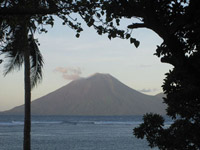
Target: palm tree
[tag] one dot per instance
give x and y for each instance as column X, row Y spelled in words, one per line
column 19, row 19
column 24, row 49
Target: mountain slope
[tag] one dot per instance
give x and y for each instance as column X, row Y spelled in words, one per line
column 100, row 94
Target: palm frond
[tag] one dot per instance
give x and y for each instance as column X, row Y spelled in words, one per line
column 13, row 50
column 14, row 53
column 36, row 61
column 15, row 58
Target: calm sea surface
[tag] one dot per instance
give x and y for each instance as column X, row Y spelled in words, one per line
column 72, row 133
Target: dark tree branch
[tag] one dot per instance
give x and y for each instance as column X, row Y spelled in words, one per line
column 137, row 25
column 27, row 11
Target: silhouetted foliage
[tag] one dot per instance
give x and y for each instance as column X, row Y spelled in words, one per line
column 177, row 22
column 19, row 20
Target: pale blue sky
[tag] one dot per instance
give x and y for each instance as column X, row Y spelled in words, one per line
column 136, row 67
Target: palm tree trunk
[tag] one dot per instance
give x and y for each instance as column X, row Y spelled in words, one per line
column 27, row 88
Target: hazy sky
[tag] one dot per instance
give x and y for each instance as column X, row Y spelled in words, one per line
column 67, row 58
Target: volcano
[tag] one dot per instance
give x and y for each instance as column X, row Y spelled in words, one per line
column 99, row 94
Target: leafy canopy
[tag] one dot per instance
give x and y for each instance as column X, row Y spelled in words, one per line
column 177, row 22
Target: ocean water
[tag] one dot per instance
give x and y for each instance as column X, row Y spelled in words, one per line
column 73, row 133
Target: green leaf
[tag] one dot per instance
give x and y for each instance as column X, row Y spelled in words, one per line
column 117, row 21
column 102, row 12
column 98, row 15
column 135, row 42
column 109, row 36
column 132, row 40
column 77, row 35
column 128, row 36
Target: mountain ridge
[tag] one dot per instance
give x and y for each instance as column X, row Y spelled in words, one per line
column 99, row 94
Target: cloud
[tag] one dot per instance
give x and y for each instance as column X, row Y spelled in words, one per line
column 69, row 73
column 148, row 90
column 61, row 70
